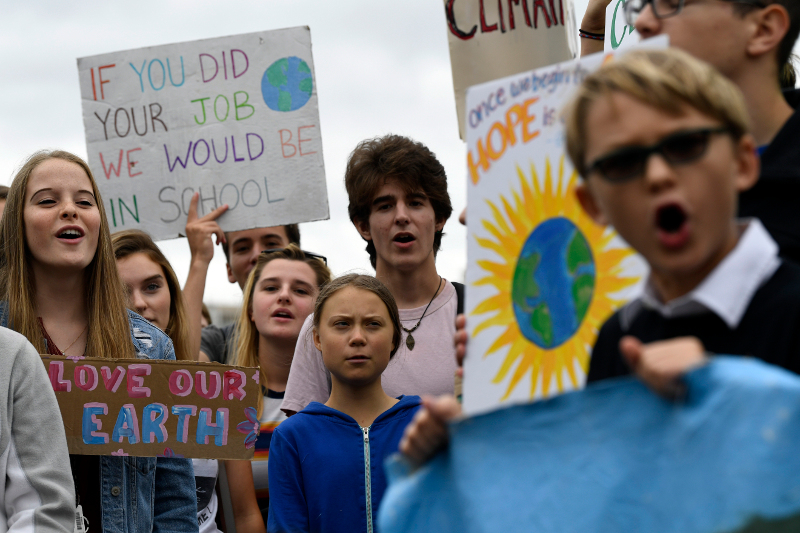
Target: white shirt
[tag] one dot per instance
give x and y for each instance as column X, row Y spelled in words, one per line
column 727, row 290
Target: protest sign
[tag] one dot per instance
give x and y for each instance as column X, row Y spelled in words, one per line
column 489, row 40
column 618, row 33
column 615, row 457
column 153, row 408
column 542, row 277
column 233, row 118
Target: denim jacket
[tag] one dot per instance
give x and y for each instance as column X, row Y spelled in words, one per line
column 145, row 493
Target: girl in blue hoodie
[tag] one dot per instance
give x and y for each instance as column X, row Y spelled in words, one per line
column 326, row 462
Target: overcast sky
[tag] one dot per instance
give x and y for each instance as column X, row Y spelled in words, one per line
column 381, row 66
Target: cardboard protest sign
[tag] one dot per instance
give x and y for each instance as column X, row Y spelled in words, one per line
column 153, row 408
column 233, row 118
column 489, row 40
column 618, row 33
column 542, row 277
column 616, row 457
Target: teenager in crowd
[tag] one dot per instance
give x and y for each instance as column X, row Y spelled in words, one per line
column 60, row 288
column 154, row 293
column 399, row 205
column 327, row 461
column 278, row 296
column 750, row 42
column 241, row 249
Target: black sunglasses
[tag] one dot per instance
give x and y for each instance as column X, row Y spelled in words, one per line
column 309, row 254
column 679, row 148
column 668, row 8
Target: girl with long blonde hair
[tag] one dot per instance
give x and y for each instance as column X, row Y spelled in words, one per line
column 60, row 288
column 278, row 297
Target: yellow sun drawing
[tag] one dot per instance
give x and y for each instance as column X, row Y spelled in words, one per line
column 551, row 310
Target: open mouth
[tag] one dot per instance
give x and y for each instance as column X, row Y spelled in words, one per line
column 70, row 234
column 280, row 313
column 404, row 238
column 670, row 218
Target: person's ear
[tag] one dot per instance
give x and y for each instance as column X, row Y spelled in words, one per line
column 770, row 25
column 589, row 204
column 440, row 224
column 747, row 163
column 231, row 277
column 363, row 229
column 315, row 335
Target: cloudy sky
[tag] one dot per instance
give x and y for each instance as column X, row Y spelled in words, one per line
column 381, row 66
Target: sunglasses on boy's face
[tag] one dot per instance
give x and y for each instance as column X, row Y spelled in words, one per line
column 308, row 254
column 679, row 148
column 668, row 8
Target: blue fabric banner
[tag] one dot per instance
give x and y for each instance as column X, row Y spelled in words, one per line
column 617, row 458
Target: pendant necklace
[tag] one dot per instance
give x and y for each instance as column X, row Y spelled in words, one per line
column 410, row 342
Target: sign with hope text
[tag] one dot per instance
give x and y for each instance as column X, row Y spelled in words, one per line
column 152, row 408
column 542, row 277
column 490, row 39
column 233, row 118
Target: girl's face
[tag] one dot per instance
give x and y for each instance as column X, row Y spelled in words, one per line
column 283, row 297
column 62, row 221
column 355, row 336
column 148, row 291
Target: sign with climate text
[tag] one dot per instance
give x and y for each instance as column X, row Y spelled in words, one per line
column 152, row 408
column 489, row 40
column 234, row 119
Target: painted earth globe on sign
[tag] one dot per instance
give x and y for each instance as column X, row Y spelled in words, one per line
column 287, row 84
column 553, row 283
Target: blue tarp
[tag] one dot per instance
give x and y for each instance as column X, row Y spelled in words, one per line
column 617, row 458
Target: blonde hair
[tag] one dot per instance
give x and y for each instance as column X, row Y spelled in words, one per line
column 247, row 336
column 109, row 333
column 665, row 79
column 134, row 241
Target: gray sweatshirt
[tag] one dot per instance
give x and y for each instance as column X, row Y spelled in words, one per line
column 36, row 487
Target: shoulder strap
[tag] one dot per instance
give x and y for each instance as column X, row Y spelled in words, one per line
column 459, row 287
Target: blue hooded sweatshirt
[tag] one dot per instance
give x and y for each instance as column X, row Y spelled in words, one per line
column 326, row 472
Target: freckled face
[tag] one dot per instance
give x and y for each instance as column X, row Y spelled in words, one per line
column 62, row 221
column 355, row 336
column 148, row 291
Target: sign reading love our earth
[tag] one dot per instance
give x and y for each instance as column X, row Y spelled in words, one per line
column 152, row 408
column 234, row 119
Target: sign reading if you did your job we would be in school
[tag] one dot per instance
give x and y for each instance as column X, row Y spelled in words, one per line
column 233, row 118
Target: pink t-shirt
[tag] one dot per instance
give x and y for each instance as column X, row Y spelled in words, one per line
column 427, row 369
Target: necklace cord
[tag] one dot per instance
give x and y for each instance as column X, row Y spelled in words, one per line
column 439, row 286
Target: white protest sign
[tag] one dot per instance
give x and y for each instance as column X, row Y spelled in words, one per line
column 233, row 118
column 489, row 40
column 542, row 277
column 618, row 33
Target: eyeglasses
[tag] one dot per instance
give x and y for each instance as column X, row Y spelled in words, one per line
column 309, row 254
column 668, row 8
column 677, row 149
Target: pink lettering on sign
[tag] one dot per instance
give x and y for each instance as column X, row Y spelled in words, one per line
column 233, row 385
column 56, row 372
column 214, row 384
column 86, row 377
column 180, row 382
column 136, row 388
column 112, row 381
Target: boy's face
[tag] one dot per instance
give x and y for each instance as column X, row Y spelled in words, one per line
column 707, row 29
column 679, row 216
column 245, row 246
column 401, row 225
